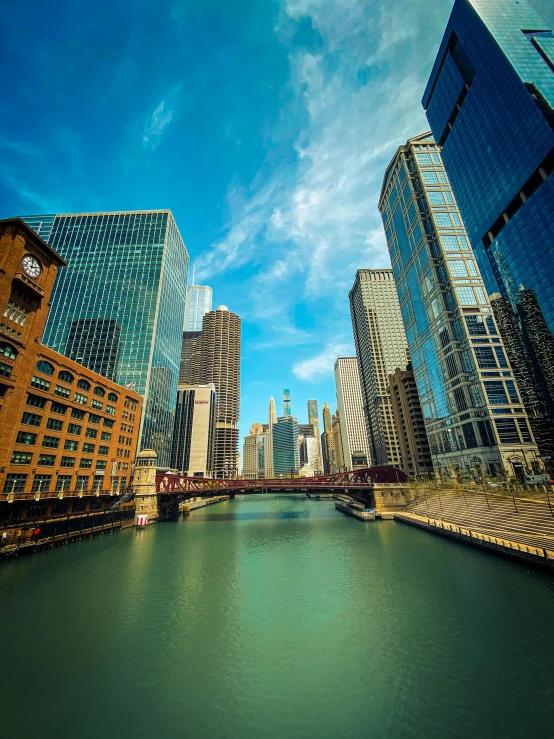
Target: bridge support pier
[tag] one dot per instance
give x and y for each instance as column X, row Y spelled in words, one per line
column 144, row 484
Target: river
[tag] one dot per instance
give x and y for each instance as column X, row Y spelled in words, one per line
column 275, row 617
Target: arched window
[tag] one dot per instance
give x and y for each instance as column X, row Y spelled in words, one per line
column 112, row 397
column 65, row 376
column 99, row 391
column 7, row 350
column 45, row 367
column 83, row 384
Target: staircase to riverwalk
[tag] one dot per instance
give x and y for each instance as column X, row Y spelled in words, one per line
column 516, row 519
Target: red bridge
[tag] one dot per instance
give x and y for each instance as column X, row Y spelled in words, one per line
column 357, row 481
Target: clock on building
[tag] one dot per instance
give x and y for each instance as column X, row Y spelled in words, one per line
column 31, row 266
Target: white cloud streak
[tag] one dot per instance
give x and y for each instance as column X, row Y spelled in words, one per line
column 321, row 364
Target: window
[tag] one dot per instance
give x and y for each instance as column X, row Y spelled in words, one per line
column 96, row 503
column 443, row 220
column 52, row 442
column 76, row 413
column 99, row 391
column 96, row 404
column 83, row 384
column 476, row 395
column 71, row 445
column 41, row 483
column 58, row 408
column 506, row 430
column 93, row 418
column 36, row 401
column 27, row 438
column 91, row 433
column 469, row 435
column 31, row 419
column 7, row 350
column 63, row 392
column 82, row 482
column 430, row 178
column 460, row 398
column 450, row 243
column 67, row 462
column 85, row 463
column 5, row 370
column 485, row 357
column 110, row 409
column 82, row 399
column 103, row 449
column 74, row 428
column 491, row 326
column 88, row 448
column 39, row 383
column 63, row 482
column 476, row 326
column 465, row 295
column 108, row 423
column 496, row 392
column 65, row 376
column 524, row 430
column 44, row 367
column 47, row 460
column 15, row 483
column 106, row 436
column 54, row 425
column 502, row 361
column 21, row 458
column 112, row 397
column 100, row 464
column 512, row 392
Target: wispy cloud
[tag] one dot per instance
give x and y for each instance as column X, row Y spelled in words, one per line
column 321, row 364
column 160, row 118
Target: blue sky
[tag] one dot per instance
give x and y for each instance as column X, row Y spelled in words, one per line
column 265, row 127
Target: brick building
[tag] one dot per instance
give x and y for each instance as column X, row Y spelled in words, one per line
column 63, row 427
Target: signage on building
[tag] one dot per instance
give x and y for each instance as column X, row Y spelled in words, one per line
column 201, row 401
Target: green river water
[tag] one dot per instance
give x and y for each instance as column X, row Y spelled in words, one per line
column 275, row 617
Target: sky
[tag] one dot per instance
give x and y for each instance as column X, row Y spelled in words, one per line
column 264, row 125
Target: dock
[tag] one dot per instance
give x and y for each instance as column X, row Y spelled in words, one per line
column 356, row 510
column 195, row 504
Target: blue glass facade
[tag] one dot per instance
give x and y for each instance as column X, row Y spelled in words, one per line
column 126, row 270
column 286, row 453
column 490, row 104
column 472, row 410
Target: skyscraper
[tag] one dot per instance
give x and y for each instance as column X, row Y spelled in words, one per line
column 250, row 454
column 127, row 270
column 286, row 455
column 193, row 445
column 474, row 417
column 286, row 402
column 326, row 417
column 217, row 360
column 338, row 456
column 355, row 446
column 313, row 418
column 272, row 412
column 198, row 303
column 380, row 348
column 327, row 441
column 490, row 104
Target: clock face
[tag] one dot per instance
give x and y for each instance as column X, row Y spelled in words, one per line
column 31, row 266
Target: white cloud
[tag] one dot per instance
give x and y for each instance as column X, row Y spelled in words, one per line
column 160, row 118
column 321, row 364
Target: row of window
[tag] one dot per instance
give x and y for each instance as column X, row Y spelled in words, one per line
column 15, row 483
column 49, row 460
column 29, row 439
column 48, row 369
column 33, row 419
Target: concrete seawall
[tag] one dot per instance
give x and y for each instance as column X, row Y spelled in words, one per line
column 536, row 556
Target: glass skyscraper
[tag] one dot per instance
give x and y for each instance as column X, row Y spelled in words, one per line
column 490, row 105
column 119, row 305
column 286, row 453
column 473, row 414
column 199, row 302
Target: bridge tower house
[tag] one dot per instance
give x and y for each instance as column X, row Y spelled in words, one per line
column 144, row 484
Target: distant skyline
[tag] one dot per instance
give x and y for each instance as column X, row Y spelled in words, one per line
column 265, row 127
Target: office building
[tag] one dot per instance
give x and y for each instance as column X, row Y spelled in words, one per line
column 191, row 356
column 326, row 417
column 355, row 446
column 313, row 418
column 286, row 403
column 474, row 417
column 272, row 413
column 265, row 456
column 338, row 465
column 250, row 457
column 286, row 455
column 198, row 303
column 62, row 427
column 490, row 105
column 193, row 447
column 327, row 443
column 533, row 374
column 127, row 270
column 380, row 348
column 415, row 455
